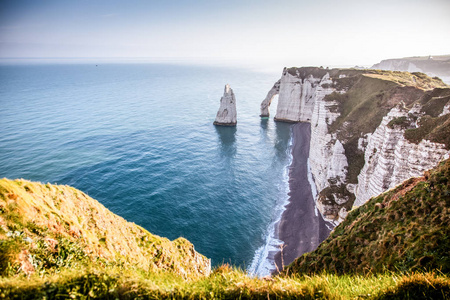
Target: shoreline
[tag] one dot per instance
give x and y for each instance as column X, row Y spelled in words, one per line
column 301, row 228
column 263, row 262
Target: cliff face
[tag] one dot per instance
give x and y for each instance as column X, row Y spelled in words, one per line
column 46, row 228
column 268, row 100
column 354, row 153
column 297, row 90
column 390, row 158
column 227, row 115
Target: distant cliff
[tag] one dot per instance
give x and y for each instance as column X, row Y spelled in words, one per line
column 370, row 129
column 47, row 228
column 438, row 65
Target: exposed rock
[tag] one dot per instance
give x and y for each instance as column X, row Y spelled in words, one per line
column 390, row 158
column 296, row 98
column 446, row 110
column 322, row 141
column 270, row 95
column 226, row 116
column 345, row 108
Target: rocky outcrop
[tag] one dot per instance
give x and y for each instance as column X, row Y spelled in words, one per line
column 446, row 110
column 325, row 148
column 354, row 152
column 390, row 158
column 227, row 116
column 297, row 94
column 268, row 100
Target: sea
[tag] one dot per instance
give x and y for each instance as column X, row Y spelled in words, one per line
column 140, row 139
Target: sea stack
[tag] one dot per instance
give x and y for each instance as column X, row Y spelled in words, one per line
column 226, row 116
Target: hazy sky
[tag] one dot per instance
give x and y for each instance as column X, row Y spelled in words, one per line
column 315, row 32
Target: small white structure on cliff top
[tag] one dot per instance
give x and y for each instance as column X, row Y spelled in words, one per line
column 226, row 116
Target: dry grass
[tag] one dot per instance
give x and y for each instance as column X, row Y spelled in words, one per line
column 38, row 218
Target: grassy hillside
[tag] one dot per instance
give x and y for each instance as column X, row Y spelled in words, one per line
column 225, row 283
column 404, row 229
column 58, row 243
column 45, row 227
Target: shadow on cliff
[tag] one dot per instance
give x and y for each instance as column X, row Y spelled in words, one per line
column 227, row 140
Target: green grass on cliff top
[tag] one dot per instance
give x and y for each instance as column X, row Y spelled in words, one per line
column 224, row 283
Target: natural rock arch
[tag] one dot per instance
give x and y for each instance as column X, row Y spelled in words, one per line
column 268, row 100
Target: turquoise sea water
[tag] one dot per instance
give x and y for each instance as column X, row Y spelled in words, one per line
column 139, row 138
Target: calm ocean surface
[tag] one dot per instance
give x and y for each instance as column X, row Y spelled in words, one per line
column 139, row 138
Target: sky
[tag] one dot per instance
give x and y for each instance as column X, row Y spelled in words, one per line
column 287, row 32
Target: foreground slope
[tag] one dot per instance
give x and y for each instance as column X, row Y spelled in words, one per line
column 57, row 243
column 404, row 229
column 45, row 227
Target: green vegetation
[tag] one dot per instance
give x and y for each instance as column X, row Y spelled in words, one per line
column 402, row 122
column 404, row 229
column 433, row 129
column 225, row 283
column 327, row 199
column 366, row 97
column 44, row 228
column 434, row 101
column 394, row 247
column 415, row 79
column 363, row 98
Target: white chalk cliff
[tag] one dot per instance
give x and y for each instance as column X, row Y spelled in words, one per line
column 227, row 115
column 391, row 159
column 270, row 95
column 397, row 65
column 296, row 97
column 386, row 157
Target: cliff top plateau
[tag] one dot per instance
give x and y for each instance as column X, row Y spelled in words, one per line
column 432, row 65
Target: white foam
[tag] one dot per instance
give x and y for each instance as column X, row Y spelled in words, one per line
column 262, row 264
